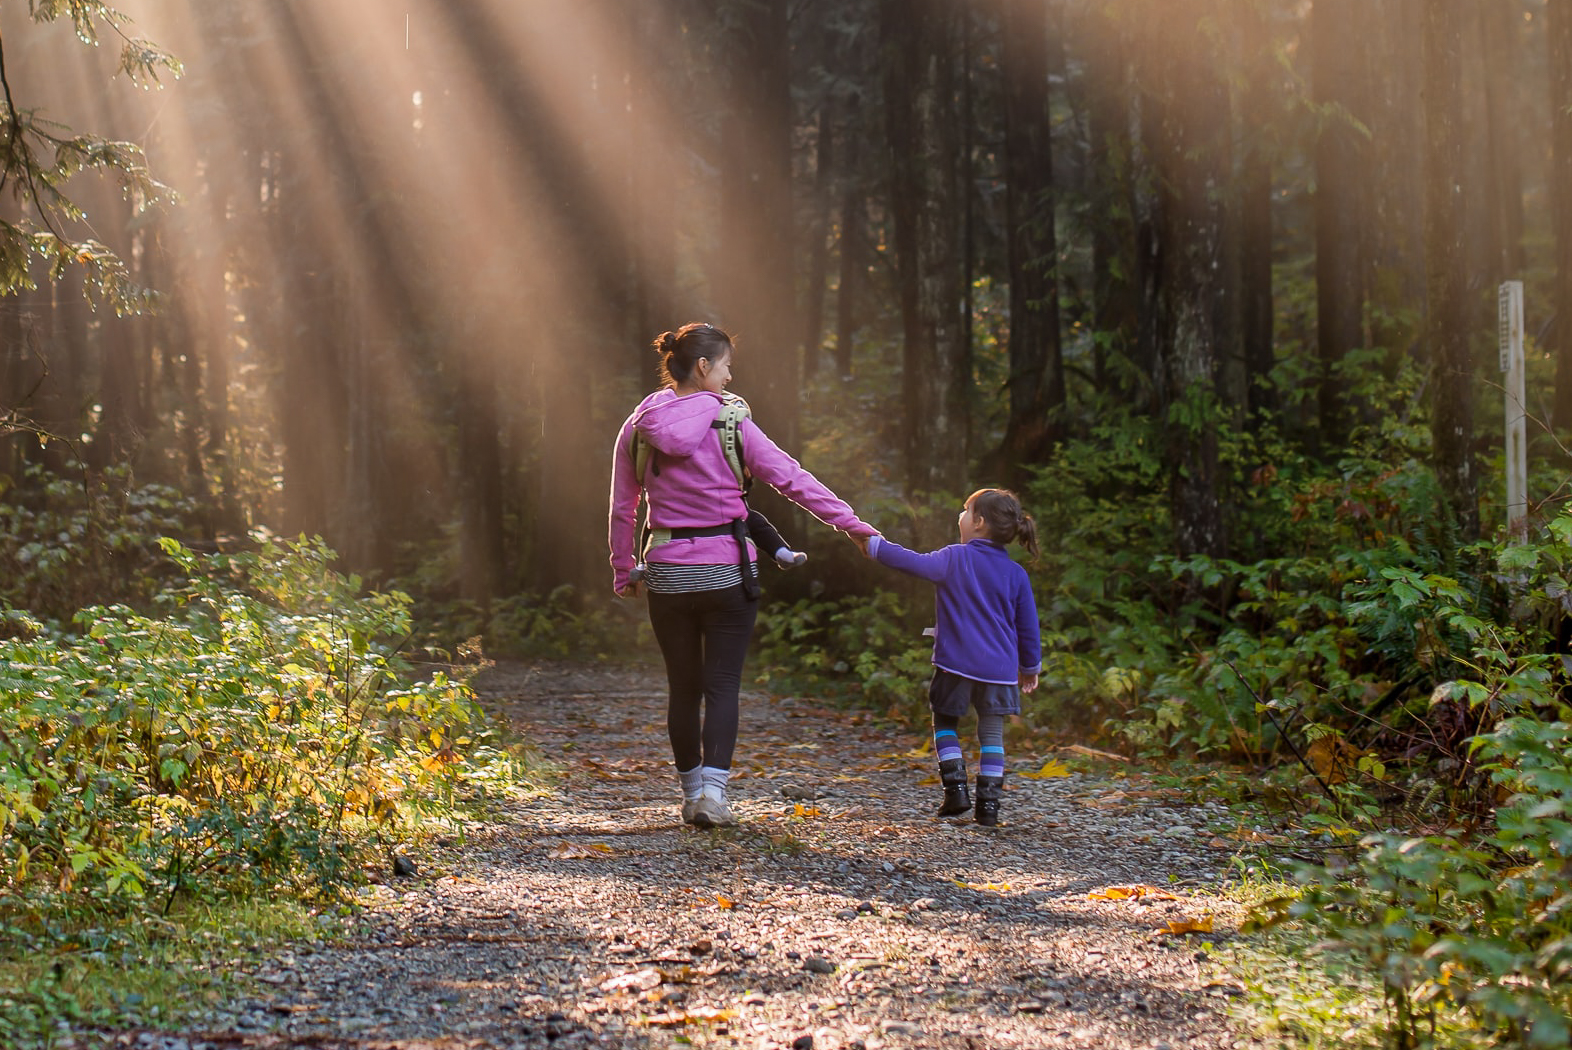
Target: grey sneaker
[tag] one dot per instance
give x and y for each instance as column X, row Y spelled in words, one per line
column 712, row 812
column 689, row 808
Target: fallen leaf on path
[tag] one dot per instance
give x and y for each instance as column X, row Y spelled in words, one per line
column 725, row 902
column 1201, row 925
column 1051, row 768
column 1092, row 752
column 997, row 887
column 637, row 981
column 1130, row 893
column 580, row 851
column 806, row 811
column 677, row 1018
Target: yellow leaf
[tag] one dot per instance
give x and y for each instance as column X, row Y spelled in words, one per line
column 1051, row 768
column 997, row 887
column 579, row 851
column 1201, row 925
column 1129, row 893
column 922, row 750
column 805, row 811
column 725, row 902
column 1333, row 758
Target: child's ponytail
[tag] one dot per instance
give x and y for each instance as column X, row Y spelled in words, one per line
column 1026, row 532
column 1001, row 511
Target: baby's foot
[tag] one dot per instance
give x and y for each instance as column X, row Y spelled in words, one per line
column 787, row 558
column 636, row 573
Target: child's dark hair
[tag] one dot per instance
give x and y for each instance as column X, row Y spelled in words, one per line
column 681, row 350
column 1006, row 520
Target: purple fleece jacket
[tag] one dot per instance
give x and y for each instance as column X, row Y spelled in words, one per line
column 689, row 484
column 986, row 618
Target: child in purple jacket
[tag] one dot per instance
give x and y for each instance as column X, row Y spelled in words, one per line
column 986, row 647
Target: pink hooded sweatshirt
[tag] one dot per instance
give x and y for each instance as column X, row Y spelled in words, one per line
column 689, row 484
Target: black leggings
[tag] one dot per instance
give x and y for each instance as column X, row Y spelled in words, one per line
column 704, row 638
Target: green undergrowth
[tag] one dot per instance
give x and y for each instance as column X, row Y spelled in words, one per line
column 261, row 738
column 158, row 972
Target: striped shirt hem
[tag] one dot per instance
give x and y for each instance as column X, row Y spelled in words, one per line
column 665, row 578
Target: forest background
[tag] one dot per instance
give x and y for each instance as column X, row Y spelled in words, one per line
column 1212, row 283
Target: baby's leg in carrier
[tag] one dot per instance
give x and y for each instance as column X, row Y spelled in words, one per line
column 767, row 537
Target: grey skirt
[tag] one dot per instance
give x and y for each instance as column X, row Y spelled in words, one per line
column 952, row 694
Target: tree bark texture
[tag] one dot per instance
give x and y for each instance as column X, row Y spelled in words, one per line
column 1036, row 385
column 1559, row 181
column 1187, row 129
column 818, row 247
column 1340, row 76
column 919, row 80
column 1259, row 111
column 1446, row 323
column 1115, row 296
column 1396, row 269
column 755, row 282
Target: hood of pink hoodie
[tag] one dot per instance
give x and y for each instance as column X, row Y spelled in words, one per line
column 676, row 425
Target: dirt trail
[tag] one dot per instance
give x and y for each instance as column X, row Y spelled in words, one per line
column 840, row 914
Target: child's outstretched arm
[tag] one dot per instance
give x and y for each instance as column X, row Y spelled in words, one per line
column 932, row 567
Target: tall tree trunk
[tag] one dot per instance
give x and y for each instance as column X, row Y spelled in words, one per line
column 1339, row 73
column 1498, row 29
column 756, row 283
column 1446, row 326
column 654, row 181
column 1258, row 112
column 818, row 246
column 924, row 208
column 482, row 544
column 1396, row 265
column 1187, row 129
column 1558, row 32
column 1036, row 385
column 310, row 389
column 1115, row 299
column 853, row 264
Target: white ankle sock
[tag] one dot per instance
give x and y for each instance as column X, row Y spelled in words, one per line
column 692, row 782
column 715, row 781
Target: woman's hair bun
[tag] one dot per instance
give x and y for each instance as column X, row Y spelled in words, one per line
column 666, row 343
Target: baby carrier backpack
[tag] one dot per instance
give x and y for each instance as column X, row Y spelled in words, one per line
column 733, row 411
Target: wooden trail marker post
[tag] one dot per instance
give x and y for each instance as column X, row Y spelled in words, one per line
column 1510, row 336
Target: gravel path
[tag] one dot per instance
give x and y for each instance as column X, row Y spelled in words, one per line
column 840, row 914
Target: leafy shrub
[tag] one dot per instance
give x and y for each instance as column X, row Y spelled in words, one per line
column 264, row 733
column 1466, row 936
column 65, row 542
column 1470, row 937
column 865, row 649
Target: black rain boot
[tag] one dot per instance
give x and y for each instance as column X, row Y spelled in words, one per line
column 957, row 800
column 988, row 791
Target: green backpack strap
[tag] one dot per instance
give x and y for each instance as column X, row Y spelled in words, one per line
column 641, row 455
column 733, row 411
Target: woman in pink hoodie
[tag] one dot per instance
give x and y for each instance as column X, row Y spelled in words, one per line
column 701, row 580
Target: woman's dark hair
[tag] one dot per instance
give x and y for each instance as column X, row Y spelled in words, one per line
column 1006, row 521
column 681, row 350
